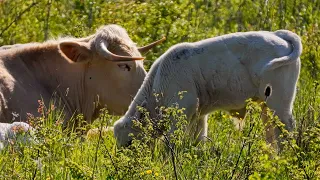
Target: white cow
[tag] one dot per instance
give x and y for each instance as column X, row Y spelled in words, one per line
column 220, row 73
column 12, row 131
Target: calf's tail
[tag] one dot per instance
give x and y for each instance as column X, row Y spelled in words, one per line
column 293, row 57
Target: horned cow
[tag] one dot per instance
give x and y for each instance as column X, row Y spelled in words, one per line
column 220, row 73
column 82, row 74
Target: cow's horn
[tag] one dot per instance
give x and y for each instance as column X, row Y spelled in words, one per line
column 146, row 48
column 103, row 49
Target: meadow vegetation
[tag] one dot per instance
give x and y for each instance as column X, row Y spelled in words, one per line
column 227, row 154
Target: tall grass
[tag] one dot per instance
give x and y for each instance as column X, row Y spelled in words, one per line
column 227, row 154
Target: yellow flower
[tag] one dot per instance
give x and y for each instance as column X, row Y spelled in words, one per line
column 156, row 174
column 148, row 171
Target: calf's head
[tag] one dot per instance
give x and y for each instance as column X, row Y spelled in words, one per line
column 124, row 127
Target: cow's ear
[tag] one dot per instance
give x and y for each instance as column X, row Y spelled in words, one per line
column 75, row 51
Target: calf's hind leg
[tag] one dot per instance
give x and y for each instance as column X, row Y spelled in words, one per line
column 238, row 117
column 283, row 89
column 239, row 121
column 269, row 126
column 201, row 128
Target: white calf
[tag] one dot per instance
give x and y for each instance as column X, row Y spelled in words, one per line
column 220, row 73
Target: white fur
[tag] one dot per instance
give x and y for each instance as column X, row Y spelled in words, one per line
column 10, row 132
column 220, row 73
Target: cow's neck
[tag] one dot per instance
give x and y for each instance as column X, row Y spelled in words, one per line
column 63, row 79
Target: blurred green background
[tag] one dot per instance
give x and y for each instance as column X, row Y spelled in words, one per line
column 230, row 154
column 25, row 21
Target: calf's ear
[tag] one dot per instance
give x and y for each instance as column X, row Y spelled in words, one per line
column 138, row 113
column 75, row 51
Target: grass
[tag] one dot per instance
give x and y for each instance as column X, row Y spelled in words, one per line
column 227, row 154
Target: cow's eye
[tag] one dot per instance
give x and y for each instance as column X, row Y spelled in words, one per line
column 124, row 67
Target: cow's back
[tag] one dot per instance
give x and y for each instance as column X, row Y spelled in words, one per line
column 19, row 90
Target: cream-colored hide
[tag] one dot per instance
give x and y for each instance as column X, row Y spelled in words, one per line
column 82, row 75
